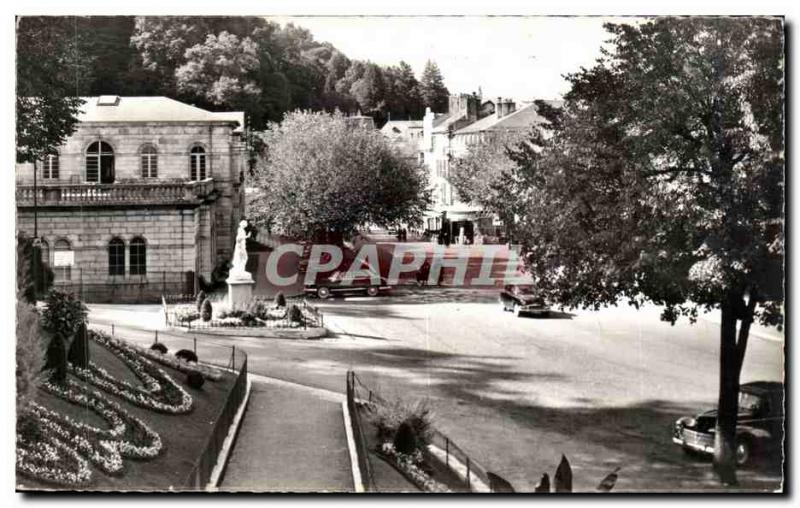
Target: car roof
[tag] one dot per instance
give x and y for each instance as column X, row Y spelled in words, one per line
column 762, row 387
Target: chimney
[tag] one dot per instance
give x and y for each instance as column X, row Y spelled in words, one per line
column 499, row 108
column 510, row 106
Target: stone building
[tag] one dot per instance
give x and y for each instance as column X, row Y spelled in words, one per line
column 446, row 137
column 143, row 199
column 405, row 136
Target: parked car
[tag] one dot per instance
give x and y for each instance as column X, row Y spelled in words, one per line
column 523, row 299
column 334, row 282
column 759, row 426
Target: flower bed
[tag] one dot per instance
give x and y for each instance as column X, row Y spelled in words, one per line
column 209, row 372
column 411, row 466
column 53, row 461
column 71, row 445
column 160, row 391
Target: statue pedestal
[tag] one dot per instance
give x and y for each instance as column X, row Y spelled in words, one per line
column 240, row 291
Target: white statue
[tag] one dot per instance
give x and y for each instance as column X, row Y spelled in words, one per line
column 240, row 253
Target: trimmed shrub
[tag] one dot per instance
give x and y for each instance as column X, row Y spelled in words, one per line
column 201, row 297
column 185, row 354
column 388, row 418
column 79, row 349
column 31, row 347
column 186, row 314
column 57, row 360
column 258, row 308
column 295, row 315
column 205, row 311
column 280, row 300
column 64, row 314
column 405, row 441
column 161, row 348
column 195, row 380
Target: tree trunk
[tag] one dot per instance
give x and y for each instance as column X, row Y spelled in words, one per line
column 728, row 407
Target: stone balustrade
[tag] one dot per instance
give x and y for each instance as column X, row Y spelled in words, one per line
column 88, row 194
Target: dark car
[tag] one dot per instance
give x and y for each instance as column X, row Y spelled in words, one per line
column 759, row 426
column 523, row 299
column 335, row 282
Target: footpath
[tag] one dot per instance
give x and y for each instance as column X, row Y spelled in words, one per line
column 292, row 439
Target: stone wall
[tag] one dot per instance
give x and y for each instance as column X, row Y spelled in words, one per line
column 169, row 234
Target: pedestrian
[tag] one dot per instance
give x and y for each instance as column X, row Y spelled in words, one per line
column 423, row 273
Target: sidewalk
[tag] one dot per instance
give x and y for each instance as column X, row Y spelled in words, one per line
column 291, row 440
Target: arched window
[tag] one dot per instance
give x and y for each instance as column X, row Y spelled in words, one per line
column 149, row 157
column 116, row 257
column 197, row 163
column 62, row 260
column 100, row 163
column 44, row 249
column 50, row 167
column 138, row 256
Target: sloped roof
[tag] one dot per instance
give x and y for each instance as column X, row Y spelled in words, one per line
column 442, row 123
column 522, row 118
column 151, row 109
column 400, row 128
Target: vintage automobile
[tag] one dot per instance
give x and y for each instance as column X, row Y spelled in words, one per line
column 335, row 282
column 523, row 299
column 759, row 427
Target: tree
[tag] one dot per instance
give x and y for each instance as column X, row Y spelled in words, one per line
column 222, row 71
column 664, row 182
column 47, row 100
column 485, row 175
column 432, row 90
column 369, row 90
column 407, row 91
column 323, row 173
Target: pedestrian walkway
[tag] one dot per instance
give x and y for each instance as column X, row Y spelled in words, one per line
column 291, row 440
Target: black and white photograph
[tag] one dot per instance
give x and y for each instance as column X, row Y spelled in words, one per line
column 399, row 254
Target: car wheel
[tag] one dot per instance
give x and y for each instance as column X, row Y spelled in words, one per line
column 323, row 293
column 744, row 451
column 372, row 291
column 517, row 310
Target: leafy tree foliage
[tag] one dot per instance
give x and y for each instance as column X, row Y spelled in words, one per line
column 222, row 70
column 48, row 85
column 216, row 62
column 432, row 90
column 664, row 181
column 323, row 173
column 485, row 175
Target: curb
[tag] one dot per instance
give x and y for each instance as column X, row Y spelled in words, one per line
column 227, row 445
column 358, row 483
column 267, row 333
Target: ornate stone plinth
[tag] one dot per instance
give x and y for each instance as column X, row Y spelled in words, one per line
column 240, row 291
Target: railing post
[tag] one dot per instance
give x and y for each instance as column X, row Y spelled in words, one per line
column 156, row 337
column 112, row 329
column 447, row 451
column 195, row 345
column 233, row 357
column 468, row 480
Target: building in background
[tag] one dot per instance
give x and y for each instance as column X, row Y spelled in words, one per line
column 469, row 121
column 405, row 136
column 143, row 199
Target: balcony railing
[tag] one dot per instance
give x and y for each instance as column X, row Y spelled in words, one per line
column 87, row 194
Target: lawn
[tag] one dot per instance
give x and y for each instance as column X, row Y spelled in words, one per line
column 184, row 436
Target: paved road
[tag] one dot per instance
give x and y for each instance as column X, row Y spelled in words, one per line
column 601, row 387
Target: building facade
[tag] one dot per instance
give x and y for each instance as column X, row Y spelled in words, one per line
column 143, row 199
column 446, row 137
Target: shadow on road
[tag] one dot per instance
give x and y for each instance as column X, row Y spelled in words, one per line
column 498, row 413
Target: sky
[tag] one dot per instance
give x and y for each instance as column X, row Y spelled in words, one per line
column 523, row 57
